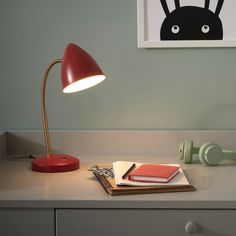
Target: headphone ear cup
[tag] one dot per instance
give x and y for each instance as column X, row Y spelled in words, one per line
column 188, row 152
column 202, row 152
column 181, row 151
column 210, row 154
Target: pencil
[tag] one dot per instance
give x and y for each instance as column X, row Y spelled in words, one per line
column 128, row 171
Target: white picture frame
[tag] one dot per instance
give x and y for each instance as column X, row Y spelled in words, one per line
column 146, row 17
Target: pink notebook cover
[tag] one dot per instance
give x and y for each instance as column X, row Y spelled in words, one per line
column 154, row 173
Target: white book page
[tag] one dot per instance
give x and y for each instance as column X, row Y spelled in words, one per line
column 120, row 168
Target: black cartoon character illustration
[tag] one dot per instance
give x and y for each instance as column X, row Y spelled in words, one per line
column 192, row 22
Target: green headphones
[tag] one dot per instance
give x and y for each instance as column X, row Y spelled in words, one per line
column 209, row 153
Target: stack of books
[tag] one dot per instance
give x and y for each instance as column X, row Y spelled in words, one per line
column 135, row 178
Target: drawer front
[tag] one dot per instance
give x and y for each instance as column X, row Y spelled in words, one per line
column 27, row 222
column 128, row 222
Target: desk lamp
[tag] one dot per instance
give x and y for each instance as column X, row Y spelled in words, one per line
column 79, row 71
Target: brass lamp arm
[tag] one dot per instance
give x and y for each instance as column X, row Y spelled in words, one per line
column 43, row 107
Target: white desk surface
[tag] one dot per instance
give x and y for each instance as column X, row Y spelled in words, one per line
column 21, row 188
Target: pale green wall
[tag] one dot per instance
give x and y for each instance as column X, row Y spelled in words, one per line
column 145, row 88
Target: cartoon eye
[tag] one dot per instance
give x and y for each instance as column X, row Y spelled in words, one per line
column 205, row 29
column 175, row 29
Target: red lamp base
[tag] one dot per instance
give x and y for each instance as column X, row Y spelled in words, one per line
column 55, row 163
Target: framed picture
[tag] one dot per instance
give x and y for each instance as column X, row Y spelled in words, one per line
column 186, row 23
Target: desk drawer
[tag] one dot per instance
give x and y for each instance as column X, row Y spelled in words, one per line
column 129, row 222
column 26, row 222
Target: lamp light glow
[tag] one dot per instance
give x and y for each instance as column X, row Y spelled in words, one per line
column 84, row 84
column 79, row 71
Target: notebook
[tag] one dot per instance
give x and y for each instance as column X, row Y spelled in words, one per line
column 154, row 173
column 120, row 167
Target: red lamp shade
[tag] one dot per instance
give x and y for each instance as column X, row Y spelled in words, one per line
column 79, row 70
